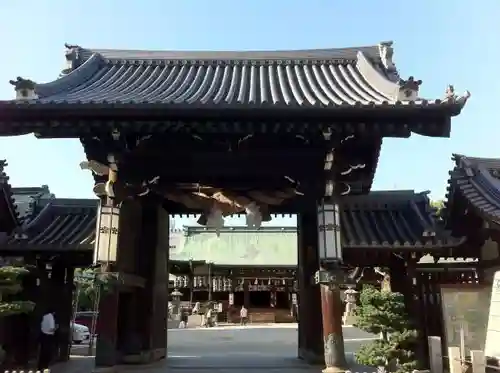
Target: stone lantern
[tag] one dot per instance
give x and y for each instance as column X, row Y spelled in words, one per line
column 351, row 298
column 176, row 303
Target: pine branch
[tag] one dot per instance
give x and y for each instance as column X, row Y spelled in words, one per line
column 15, row 308
column 383, row 312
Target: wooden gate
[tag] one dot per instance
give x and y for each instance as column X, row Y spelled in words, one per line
column 428, row 291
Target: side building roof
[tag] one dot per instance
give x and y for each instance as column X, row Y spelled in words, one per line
column 329, row 79
column 477, row 182
column 389, row 220
column 56, row 225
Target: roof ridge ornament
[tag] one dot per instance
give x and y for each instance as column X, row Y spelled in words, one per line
column 73, row 57
column 25, row 88
column 408, row 89
column 451, row 96
column 386, row 52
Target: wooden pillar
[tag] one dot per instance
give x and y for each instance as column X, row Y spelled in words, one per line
column 210, row 284
column 272, row 297
column 330, row 245
column 62, row 304
column 191, row 287
column 122, row 241
column 66, row 313
column 246, row 293
column 309, row 299
column 106, row 347
column 152, row 255
column 332, row 328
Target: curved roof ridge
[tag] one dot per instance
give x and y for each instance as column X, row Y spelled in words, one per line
column 477, row 180
column 475, row 161
column 74, row 77
column 36, row 219
column 6, row 190
column 348, row 53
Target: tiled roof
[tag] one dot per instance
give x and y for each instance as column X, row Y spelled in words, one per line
column 26, row 200
column 478, row 181
column 392, row 219
column 58, row 224
column 395, row 220
column 324, row 78
column 8, row 213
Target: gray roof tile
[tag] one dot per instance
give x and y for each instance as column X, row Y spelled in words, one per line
column 58, row 225
column 478, row 181
column 381, row 219
column 325, row 78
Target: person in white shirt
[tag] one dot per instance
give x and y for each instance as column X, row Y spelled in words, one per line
column 243, row 315
column 48, row 328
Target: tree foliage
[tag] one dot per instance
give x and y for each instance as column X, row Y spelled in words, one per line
column 383, row 312
column 10, row 284
column 438, row 205
column 88, row 282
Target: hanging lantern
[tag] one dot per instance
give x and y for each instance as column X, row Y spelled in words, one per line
column 231, row 299
column 106, row 240
column 197, row 282
column 329, row 243
column 228, row 284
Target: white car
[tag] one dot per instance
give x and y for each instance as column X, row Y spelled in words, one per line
column 80, row 333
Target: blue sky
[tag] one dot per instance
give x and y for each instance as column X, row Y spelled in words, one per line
column 441, row 42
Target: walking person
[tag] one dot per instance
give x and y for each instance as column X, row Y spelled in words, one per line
column 243, row 316
column 48, row 328
column 208, row 317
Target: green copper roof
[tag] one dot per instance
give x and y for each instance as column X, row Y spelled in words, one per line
column 239, row 247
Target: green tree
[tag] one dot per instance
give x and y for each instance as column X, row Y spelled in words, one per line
column 88, row 282
column 10, row 284
column 438, row 205
column 383, row 313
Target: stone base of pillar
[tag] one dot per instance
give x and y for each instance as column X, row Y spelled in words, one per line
column 145, row 357
column 112, row 369
column 334, row 353
column 334, row 370
column 311, row 357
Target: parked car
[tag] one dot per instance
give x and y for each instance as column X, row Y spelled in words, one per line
column 80, row 333
column 85, row 318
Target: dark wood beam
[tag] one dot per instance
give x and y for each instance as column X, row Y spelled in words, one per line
column 192, row 167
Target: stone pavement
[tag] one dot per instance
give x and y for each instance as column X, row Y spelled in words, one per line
column 248, row 349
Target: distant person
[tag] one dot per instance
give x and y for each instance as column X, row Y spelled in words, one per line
column 184, row 319
column 208, row 318
column 48, row 328
column 243, row 316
